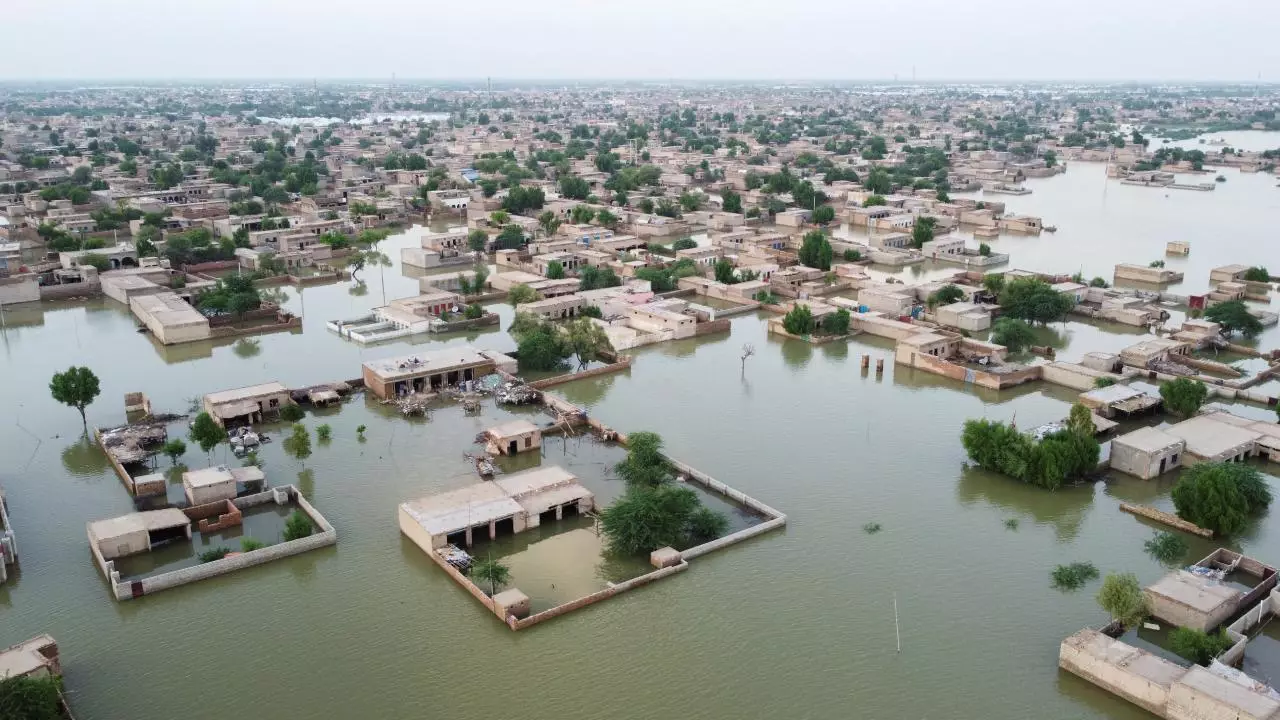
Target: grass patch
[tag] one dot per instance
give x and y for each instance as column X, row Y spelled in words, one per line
column 213, row 554
column 1198, row 646
column 250, row 544
column 1073, row 576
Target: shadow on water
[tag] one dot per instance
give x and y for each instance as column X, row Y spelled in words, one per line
column 1064, row 509
column 795, row 353
column 247, row 347
column 83, row 458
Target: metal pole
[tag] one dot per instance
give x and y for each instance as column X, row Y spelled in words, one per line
column 896, row 633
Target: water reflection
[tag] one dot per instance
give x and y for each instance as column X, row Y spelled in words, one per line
column 84, row 459
column 358, row 289
column 795, row 353
column 247, row 347
column 1064, row 509
column 307, row 482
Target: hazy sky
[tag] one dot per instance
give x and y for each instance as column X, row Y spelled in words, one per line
column 666, row 39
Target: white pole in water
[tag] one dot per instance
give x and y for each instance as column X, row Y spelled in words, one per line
column 896, row 633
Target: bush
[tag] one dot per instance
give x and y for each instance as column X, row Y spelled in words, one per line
column 852, row 255
column 984, row 250
column 298, row 526
column 1199, row 646
column 26, row 697
column 291, row 413
column 1059, row 457
column 1034, row 300
column 324, row 433
column 591, row 311
column 836, row 323
column 815, row 251
column 250, row 544
column 798, row 320
column 1220, row 496
column 1183, row 396
column 1166, row 547
column 473, row 312
column 1257, row 273
column 174, row 449
column 213, row 554
column 1102, row 382
column 946, row 295
column 1121, row 596
column 1073, row 576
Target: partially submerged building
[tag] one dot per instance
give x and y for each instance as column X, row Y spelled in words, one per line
column 247, row 405
column 169, row 318
column 35, row 658
column 138, row 532
column 514, row 437
column 432, row 371
column 219, row 483
column 510, row 504
column 8, row 543
column 1147, row 452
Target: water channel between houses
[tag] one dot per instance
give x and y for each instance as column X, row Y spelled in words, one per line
column 797, row 623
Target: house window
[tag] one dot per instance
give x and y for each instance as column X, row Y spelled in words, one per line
column 274, row 402
column 528, row 442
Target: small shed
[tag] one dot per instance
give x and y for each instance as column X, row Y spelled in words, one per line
column 1146, row 452
column 512, row 438
column 138, row 532
column 217, row 483
column 1192, row 600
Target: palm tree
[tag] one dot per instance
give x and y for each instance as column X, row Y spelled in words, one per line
column 493, row 572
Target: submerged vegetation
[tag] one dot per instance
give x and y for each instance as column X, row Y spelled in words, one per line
column 1073, row 576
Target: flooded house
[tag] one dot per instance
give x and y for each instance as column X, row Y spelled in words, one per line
column 247, row 405
column 431, row 371
column 512, row 438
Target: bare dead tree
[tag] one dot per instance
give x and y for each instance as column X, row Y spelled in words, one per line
column 747, row 351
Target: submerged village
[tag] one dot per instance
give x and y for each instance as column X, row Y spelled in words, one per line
column 398, row 366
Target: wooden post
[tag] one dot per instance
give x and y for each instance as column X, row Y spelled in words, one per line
column 879, row 366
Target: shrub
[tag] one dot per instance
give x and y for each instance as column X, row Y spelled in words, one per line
column 1198, row 646
column 1183, row 396
column 324, row 433
column 213, row 554
column 298, row 526
column 836, row 323
column 984, row 249
column 29, row 697
column 871, row 528
column 852, row 255
column 798, row 320
column 1166, row 547
column 174, row 449
column 1014, row 334
column 250, row 544
column 1073, row 576
column 1011, row 524
column 291, row 413
column 473, row 312
column 1102, row 382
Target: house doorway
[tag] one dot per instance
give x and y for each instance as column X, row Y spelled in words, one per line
column 513, row 447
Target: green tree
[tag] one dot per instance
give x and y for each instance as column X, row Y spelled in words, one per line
column 878, row 182
column 555, row 271
column 1012, row 333
column 581, row 214
column 297, row 526
column 298, row 444
column 732, row 201
column 574, row 188
column 874, row 201
column 511, row 237
column 31, row 697
column 1183, row 396
column 477, row 240
column 798, row 320
column 174, row 449
column 851, row 255
column 1220, row 496
column 945, row 295
column 607, row 219
column 815, row 250
column 520, row 294
column 1258, row 273
column 1080, row 419
column 593, row 278
column 492, row 572
column 1199, row 646
column 549, row 222
column 984, row 250
column 1034, row 300
column 922, row 231
column 77, row 387
column 824, row 214
column 1234, row 317
column 292, row 413
column 724, row 272
column 206, row 433
column 1122, row 598
column 836, row 323
column 587, row 339
column 645, row 465
column 648, row 517
column 324, row 433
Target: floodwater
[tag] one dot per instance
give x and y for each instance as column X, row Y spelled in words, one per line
column 796, row 623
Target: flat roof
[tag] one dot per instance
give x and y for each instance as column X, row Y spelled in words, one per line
column 536, row 480
column 515, row 427
column 459, row 509
column 1115, row 653
column 1232, row 694
column 1208, row 437
column 245, row 393
column 25, row 657
column 1148, row 439
column 1197, row 592
column 220, row 474
column 426, row 362
column 168, row 309
column 145, row 521
column 1111, row 394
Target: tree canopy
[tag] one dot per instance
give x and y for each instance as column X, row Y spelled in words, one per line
column 1122, row 597
column 1034, row 300
column 1058, row 457
column 1234, row 316
column 76, row 387
column 1221, row 496
column 815, row 250
column 1012, row 333
column 1183, row 396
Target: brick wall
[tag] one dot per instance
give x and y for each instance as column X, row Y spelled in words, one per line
column 622, row 364
column 90, row 288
